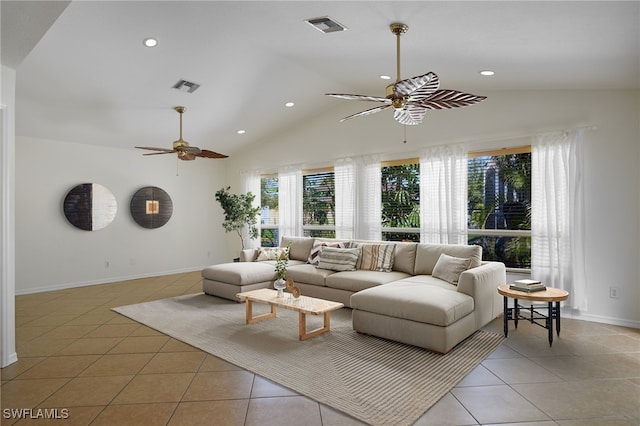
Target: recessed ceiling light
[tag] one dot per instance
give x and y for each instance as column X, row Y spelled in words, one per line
column 289, row 104
column 150, row 42
column 240, row 132
column 487, row 72
column 385, row 77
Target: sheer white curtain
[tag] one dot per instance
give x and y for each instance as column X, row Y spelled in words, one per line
column 557, row 214
column 443, row 195
column 290, row 202
column 345, row 187
column 251, row 181
column 368, row 217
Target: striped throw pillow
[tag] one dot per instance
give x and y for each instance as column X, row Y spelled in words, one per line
column 376, row 257
column 314, row 255
column 338, row 259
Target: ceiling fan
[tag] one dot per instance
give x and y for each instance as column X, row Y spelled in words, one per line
column 182, row 148
column 412, row 97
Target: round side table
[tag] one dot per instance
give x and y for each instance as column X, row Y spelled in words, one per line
column 550, row 295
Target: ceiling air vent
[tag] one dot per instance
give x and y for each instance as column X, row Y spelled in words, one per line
column 326, row 25
column 186, row 86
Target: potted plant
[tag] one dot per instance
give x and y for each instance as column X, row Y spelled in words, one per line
column 238, row 212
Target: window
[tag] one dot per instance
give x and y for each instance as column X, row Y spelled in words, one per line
column 318, row 203
column 400, row 182
column 269, row 235
column 499, row 205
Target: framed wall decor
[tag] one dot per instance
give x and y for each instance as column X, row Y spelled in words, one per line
column 151, row 207
column 90, row 206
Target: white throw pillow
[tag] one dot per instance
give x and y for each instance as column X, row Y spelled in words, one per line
column 338, row 259
column 449, row 268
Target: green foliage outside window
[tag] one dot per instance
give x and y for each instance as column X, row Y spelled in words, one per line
column 400, row 200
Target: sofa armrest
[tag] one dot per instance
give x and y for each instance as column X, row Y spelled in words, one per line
column 482, row 283
column 248, row 255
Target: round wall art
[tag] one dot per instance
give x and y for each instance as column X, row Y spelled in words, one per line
column 90, row 206
column 151, row 207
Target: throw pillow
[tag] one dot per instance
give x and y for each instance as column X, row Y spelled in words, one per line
column 314, row 255
column 338, row 259
column 270, row 253
column 449, row 268
column 376, row 257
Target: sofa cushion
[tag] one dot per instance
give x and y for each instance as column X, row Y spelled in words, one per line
column 405, row 257
column 428, row 304
column 308, row 274
column 361, row 279
column 300, row 247
column 449, row 268
column 240, row 273
column 427, row 255
column 375, row 257
column 338, row 259
column 314, row 255
column 428, row 280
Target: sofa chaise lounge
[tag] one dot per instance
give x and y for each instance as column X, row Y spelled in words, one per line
column 428, row 295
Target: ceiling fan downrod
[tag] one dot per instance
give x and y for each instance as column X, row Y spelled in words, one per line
column 398, row 29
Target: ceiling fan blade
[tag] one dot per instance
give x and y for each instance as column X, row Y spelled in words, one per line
column 417, row 87
column 445, row 99
column 359, row 97
column 366, row 112
column 155, row 149
column 160, row 153
column 411, row 115
column 205, row 153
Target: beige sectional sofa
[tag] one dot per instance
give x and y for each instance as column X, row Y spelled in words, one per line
column 408, row 299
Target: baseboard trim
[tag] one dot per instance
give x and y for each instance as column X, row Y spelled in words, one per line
column 569, row 313
column 105, row 281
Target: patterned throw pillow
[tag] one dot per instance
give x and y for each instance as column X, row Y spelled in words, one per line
column 270, row 253
column 338, row 259
column 376, row 257
column 449, row 268
column 314, row 255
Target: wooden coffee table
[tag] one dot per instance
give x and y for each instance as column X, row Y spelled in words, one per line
column 550, row 295
column 303, row 305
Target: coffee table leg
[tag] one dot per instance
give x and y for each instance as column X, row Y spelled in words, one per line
column 302, row 326
column 506, row 316
column 250, row 319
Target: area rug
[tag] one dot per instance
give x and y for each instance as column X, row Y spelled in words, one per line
column 377, row 381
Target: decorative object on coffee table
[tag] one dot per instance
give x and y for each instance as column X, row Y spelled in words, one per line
column 295, row 291
column 279, row 285
column 281, row 271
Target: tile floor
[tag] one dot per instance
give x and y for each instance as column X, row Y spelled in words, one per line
column 97, row 367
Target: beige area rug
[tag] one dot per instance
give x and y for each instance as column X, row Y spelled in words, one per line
column 375, row 380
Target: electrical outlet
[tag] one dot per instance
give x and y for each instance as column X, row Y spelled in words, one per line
column 613, row 292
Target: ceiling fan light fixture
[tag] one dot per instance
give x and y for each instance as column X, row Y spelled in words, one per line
column 326, row 25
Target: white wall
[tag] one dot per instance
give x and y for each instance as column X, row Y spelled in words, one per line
column 51, row 253
column 506, row 118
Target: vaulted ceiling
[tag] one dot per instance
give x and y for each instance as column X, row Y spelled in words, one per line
column 89, row 79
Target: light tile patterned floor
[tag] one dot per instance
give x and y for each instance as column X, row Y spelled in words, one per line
column 77, row 354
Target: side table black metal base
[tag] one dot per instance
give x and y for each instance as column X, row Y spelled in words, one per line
column 514, row 314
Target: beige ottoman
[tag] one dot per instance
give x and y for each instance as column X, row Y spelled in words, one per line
column 227, row 279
